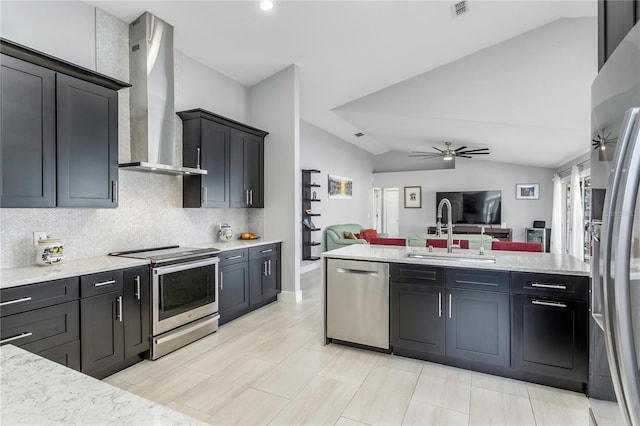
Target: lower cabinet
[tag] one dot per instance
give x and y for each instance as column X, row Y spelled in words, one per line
column 417, row 318
column 247, row 279
column 478, row 326
column 115, row 319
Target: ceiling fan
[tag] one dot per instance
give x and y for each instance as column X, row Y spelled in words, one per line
column 449, row 154
column 601, row 141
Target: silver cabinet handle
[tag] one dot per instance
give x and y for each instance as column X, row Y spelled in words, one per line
column 11, row 339
column 119, row 312
column 449, row 305
column 265, row 268
column 204, row 195
column 233, row 257
column 269, row 266
column 137, row 280
column 555, row 286
column 246, row 196
column 251, row 197
column 11, row 302
column 114, row 191
column 198, row 160
column 103, row 283
column 266, row 251
column 439, row 305
column 546, row 303
column 221, row 280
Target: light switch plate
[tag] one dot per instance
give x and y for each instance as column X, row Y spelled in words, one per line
column 38, row 235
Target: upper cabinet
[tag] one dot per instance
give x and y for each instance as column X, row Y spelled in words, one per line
column 615, row 20
column 233, row 155
column 58, row 132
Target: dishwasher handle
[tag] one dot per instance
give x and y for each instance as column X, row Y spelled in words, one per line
column 357, row 272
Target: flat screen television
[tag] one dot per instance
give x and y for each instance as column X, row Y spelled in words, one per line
column 472, row 207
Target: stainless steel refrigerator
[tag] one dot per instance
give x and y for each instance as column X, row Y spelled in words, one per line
column 615, row 264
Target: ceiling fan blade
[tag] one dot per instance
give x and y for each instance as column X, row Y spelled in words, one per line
column 595, row 140
column 475, row 153
column 460, row 149
column 463, row 156
column 437, row 149
column 424, row 155
column 475, row 150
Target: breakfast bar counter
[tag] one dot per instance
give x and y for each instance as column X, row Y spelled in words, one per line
column 36, row 391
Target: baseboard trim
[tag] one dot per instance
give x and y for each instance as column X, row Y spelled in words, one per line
column 291, row 296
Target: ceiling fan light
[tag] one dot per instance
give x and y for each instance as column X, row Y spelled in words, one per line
column 603, row 146
column 447, row 157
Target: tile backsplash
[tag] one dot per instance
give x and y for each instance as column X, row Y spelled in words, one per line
column 150, row 214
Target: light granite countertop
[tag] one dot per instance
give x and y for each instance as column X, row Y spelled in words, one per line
column 547, row 263
column 13, row 277
column 36, row 391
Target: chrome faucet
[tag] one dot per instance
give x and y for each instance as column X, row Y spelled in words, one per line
column 449, row 224
column 481, row 240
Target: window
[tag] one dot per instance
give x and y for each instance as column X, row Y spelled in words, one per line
column 585, row 195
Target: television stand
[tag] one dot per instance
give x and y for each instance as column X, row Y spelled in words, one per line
column 503, row 234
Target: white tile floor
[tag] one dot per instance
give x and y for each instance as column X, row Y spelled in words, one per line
column 269, row 367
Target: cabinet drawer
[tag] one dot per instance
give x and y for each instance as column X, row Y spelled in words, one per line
column 28, row 297
column 233, row 256
column 263, row 251
column 565, row 286
column 417, row 274
column 477, row 279
column 42, row 329
column 103, row 282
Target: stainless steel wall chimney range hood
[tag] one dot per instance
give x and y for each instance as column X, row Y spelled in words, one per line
column 152, row 99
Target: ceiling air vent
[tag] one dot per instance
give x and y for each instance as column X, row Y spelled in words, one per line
column 459, row 8
column 359, row 135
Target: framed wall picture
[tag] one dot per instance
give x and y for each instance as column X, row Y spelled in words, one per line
column 412, row 197
column 340, row 188
column 527, row 191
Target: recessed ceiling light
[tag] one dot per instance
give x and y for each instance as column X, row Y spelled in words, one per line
column 359, row 135
column 266, row 5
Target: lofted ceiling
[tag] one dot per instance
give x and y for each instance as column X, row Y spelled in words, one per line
column 510, row 75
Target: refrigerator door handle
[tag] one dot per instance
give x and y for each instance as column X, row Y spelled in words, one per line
column 596, row 280
column 620, row 201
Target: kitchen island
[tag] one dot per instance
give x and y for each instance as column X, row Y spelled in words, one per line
column 515, row 314
column 36, row 391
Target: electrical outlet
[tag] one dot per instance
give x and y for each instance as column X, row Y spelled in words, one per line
column 38, row 235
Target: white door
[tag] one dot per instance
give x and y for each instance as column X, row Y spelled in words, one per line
column 391, row 211
column 377, row 208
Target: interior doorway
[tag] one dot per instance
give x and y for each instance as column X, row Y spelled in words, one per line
column 386, row 210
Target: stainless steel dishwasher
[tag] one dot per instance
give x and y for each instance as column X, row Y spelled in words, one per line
column 358, row 302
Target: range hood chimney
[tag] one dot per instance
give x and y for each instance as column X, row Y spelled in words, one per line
column 152, row 99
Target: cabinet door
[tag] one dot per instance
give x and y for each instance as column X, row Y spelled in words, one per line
column 102, row 338
column 67, row 354
column 233, row 286
column 254, row 169
column 271, row 285
column 136, row 311
column 27, row 134
column 257, row 274
column 615, row 20
column 246, row 168
column 478, row 326
column 550, row 337
column 87, row 144
column 417, row 318
column 215, row 159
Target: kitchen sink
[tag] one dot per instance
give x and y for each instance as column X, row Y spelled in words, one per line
column 457, row 257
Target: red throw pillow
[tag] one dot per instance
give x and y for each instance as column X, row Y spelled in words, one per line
column 358, row 236
column 367, row 234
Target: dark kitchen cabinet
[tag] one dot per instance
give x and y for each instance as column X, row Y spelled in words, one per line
column 233, row 155
column 417, row 318
column 43, row 318
column 87, row 144
column 135, row 307
column 206, row 144
column 27, row 134
column 615, row 20
column 233, row 286
column 478, row 326
column 102, row 332
column 264, row 273
column 550, row 325
column 59, row 132
column 247, row 169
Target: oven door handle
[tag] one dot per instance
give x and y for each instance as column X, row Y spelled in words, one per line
column 162, row 270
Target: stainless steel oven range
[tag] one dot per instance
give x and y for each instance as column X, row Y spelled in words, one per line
column 184, row 295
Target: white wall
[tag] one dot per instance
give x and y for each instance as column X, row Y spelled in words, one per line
column 198, row 86
column 65, row 29
column 274, row 105
column 331, row 155
column 473, row 175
